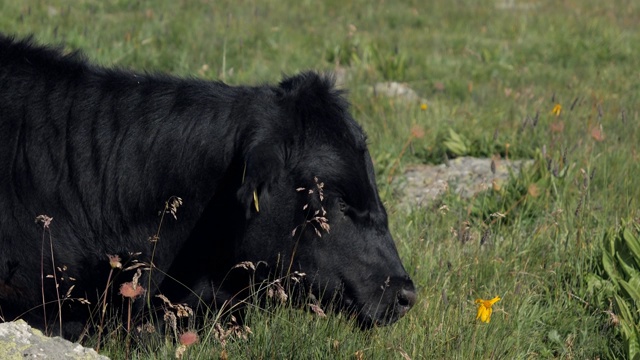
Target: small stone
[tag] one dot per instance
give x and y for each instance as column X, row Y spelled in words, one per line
column 19, row 341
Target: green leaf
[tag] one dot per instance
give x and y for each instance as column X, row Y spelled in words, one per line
column 634, row 283
column 594, row 282
column 626, row 318
column 456, row 143
column 634, row 345
column 609, row 266
column 625, row 312
column 628, row 269
column 633, row 243
column 623, row 307
column 563, row 172
column 633, row 291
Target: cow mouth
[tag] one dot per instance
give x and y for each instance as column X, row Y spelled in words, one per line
column 375, row 314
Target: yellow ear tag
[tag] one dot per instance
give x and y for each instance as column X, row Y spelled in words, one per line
column 255, row 201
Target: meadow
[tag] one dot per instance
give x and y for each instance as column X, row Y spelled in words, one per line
column 552, row 81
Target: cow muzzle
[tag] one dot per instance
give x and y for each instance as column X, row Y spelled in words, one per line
column 405, row 299
column 392, row 305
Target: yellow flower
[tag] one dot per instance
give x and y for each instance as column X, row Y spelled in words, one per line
column 423, row 106
column 557, row 109
column 484, row 308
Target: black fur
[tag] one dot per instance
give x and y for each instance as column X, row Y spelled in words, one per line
column 101, row 150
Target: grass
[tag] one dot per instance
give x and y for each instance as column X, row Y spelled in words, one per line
column 485, row 69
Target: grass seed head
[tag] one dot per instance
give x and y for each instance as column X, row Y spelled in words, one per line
column 131, row 291
column 45, row 220
column 188, row 338
column 317, row 310
column 114, row 261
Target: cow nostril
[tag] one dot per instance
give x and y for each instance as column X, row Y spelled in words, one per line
column 406, row 298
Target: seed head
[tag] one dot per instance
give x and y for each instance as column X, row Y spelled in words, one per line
column 188, row 338
column 114, row 261
column 131, row 291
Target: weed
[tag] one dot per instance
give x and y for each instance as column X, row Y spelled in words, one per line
column 114, row 263
column 46, row 223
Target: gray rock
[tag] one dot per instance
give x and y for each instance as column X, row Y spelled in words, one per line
column 19, row 341
column 465, row 176
column 396, row 90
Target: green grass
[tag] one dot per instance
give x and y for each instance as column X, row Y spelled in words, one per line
column 483, row 69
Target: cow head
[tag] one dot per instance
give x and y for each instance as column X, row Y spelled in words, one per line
column 312, row 189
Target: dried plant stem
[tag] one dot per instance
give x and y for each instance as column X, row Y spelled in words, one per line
column 55, row 280
column 46, row 221
column 44, row 301
column 128, row 343
column 104, row 309
column 129, row 316
column 155, row 240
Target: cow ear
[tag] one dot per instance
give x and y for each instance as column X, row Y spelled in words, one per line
column 263, row 165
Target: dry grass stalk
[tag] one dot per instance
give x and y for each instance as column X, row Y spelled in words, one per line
column 132, row 290
column 318, row 221
column 46, row 223
column 181, row 310
column 114, row 263
column 276, row 291
column 232, row 330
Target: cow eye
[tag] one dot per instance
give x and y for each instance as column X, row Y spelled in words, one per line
column 342, row 205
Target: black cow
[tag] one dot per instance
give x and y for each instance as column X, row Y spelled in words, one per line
column 275, row 175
